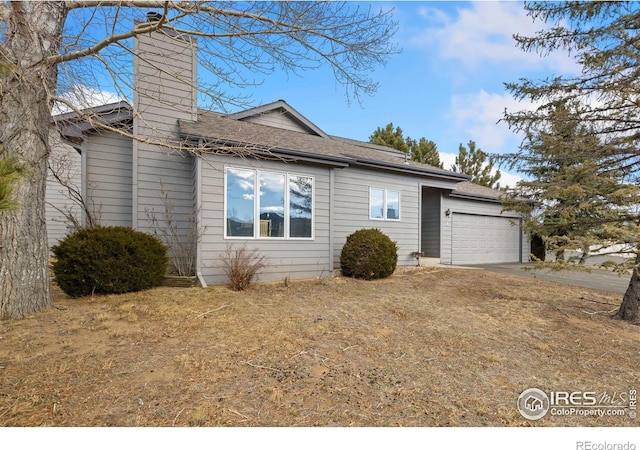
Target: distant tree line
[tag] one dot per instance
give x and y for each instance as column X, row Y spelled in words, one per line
column 472, row 161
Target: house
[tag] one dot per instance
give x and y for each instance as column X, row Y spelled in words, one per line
column 533, row 404
column 270, row 179
column 64, row 173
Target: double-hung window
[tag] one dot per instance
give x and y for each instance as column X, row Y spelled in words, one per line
column 384, row 204
column 263, row 204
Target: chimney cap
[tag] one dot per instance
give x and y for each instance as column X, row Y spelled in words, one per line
column 153, row 16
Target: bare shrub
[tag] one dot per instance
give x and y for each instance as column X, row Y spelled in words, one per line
column 61, row 168
column 182, row 241
column 241, row 265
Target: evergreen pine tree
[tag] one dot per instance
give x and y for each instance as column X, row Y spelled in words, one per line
column 477, row 164
column 424, row 151
column 599, row 190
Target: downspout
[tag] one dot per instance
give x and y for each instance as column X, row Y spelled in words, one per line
column 134, row 144
column 522, row 242
column 134, row 184
column 419, row 251
column 331, row 218
column 83, row 178
column 198, row 204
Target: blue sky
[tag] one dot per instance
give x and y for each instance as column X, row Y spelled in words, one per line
column 447, row 84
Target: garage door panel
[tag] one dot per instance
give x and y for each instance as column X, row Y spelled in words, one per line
column 484, row 239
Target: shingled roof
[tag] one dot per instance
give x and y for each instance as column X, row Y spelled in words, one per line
column 223, row 133
column 229, row 133
column 474, row 191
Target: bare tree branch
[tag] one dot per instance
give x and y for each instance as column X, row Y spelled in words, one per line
column 60, row 170
column 146, row 27
column 4, row 12
column 51, row 48
column 95, row 121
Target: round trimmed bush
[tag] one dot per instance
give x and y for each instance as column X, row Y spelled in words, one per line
column 369, row 254
column 109, row 260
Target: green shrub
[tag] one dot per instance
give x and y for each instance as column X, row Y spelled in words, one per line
column 109, row 260
column 369, row 254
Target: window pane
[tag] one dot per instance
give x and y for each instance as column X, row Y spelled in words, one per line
column 300, row 206
column 240, row 202
column 376, row 204
column 272, row 205
column 393, row 205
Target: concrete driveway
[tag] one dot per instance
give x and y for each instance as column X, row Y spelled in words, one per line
column 596, row 279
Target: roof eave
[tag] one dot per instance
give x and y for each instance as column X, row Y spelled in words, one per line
column 121, row 105
column 113, row 115
column 262, row 151
column 410, row 169
column 469, row 196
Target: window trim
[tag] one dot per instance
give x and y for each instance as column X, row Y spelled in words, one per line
column 226, row 192
column 256, row 206
column 385, row 196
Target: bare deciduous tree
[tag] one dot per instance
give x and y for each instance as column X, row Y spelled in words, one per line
column 48, row 48
column 61, row 169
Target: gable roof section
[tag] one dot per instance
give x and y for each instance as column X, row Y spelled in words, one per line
column 278, row 107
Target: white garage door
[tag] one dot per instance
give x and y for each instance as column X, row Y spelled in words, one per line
column 484, row 240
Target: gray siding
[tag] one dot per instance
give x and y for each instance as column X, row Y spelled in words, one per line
column 277, row 119
column 67, row 162
column 164, row 70
column 431, row 219
column 465, row 206
column 165, row 77
column 291, row 258
column 109, row 177
column 351, row 210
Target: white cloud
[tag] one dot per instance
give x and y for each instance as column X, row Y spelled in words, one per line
column 82, row 97
column 447, row 159
column 509, row 179
column 478, row 116
column 483, row 32
column 272, row 209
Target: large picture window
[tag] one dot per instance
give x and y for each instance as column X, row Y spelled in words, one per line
column 384, row 204
column 271, row 200
column 300, row 206
column 262, row 204
column 241, row 186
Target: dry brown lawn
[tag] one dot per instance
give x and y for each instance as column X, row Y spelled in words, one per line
column 425, row 347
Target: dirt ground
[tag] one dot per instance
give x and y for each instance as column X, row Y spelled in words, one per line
column 426, row 347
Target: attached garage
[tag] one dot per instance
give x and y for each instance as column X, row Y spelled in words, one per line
column 482, row 239
column 474, row 228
